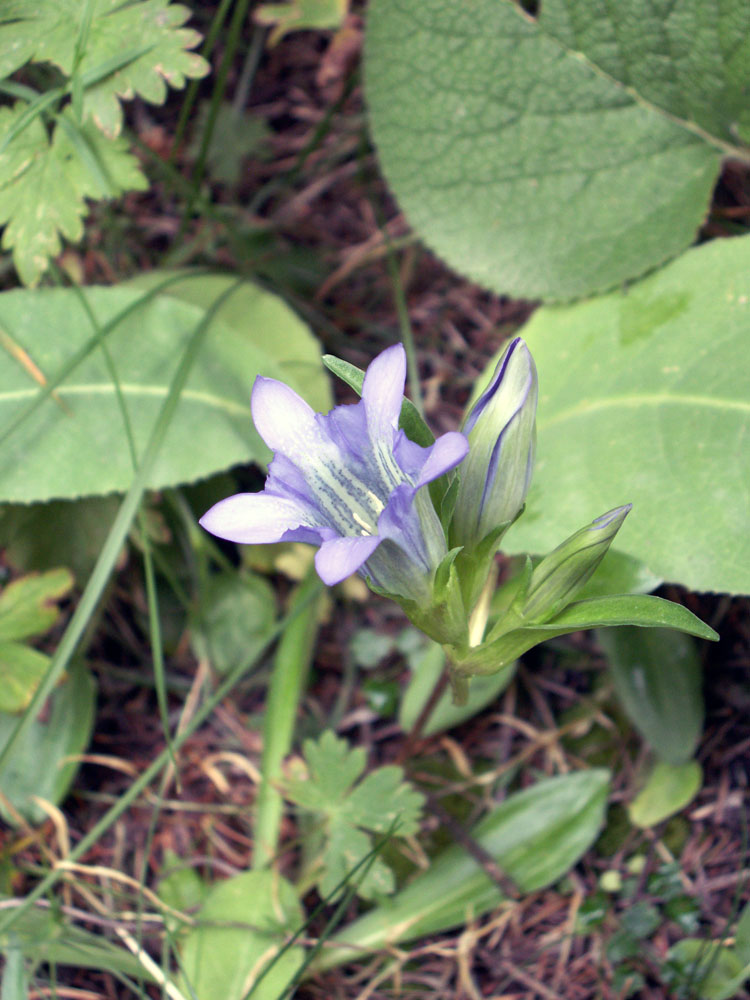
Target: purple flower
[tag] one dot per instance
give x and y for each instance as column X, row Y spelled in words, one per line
column 349, row 481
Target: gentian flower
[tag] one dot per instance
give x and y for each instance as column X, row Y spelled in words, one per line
column 501, row 428
column 349, row 481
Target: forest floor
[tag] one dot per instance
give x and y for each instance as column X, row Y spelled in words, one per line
column 310, row 217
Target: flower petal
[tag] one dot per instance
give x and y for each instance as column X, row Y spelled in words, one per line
column 411, row 457
column 256, row 518
column 287, row 423
column 338, row 558
column 383, row 392
column 448, row 451
column 347, row 426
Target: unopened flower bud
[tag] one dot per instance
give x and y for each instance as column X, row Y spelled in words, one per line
column 557, row 579
column 496, row 474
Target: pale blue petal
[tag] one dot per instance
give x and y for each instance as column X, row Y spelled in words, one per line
column 338, row 558
column 287, row 423
column 254, row 518
column 448, row 451
column 411, row 457
column 286, row 480
column 347, row 426
column 400, row 523
column 383, row 392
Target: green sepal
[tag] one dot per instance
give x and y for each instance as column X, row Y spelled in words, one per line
column 508, row 595
column 475, row 564
column 448, row 503
column 444, row 619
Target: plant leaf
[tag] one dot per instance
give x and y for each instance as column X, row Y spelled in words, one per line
column 235, row 620
column 558, row 156
column 44, row 183
column 43, row 936
column 27, row 605
column 379, row 803
column 643, row 610
column 644, row 398
column 300, row 15
column 535, row 836
column 235, row 136
column 658, row 678
column 37, row 766
column 224, row 962
column 70, row 533
column 74, row 444
column 713, row 971
column 134, row 48
column 668, row 789
column 21, row 670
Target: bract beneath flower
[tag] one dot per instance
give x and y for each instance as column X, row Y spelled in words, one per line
column 349, row 481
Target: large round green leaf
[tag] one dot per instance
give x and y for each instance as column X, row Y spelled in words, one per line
column 644, row 397
column 75, row 442
column 558, row 156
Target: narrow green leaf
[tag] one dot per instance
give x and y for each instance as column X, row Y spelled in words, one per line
column 597, row 612
column 644, row 399
column 534, row 836
column 644, row 610
column 42, row 936
column 668, row 789
column 658, row 678
column 15, row 979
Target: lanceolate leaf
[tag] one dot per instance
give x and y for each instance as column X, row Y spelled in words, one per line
column 644, row 399
column 557, row 156
column 658, row 678
column 596, row 612
column 74, row 443
column 534, row 836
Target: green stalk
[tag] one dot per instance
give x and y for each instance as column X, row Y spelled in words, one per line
column 291, row 664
